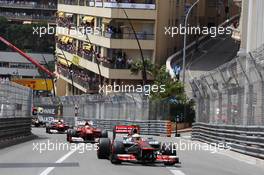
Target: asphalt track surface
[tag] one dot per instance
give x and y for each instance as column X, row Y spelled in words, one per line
column 25, row 159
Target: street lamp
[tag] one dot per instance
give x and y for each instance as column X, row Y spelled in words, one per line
column 184, row 44
column 184, row 61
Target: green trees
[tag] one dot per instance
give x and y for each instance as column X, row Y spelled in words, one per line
column 174, row 93
column 160, row 77
column 137, row 67
column 21, row 35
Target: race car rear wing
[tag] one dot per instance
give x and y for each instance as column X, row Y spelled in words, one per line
column 125, row 129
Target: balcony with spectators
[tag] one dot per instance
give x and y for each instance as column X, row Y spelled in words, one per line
column 82, row 78
column 29, row 4
column 137, row 9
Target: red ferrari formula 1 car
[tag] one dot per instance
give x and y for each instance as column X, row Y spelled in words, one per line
column 135, row 149
column 86, row 133
column 57, row 126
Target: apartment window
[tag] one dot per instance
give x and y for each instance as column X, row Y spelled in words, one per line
column 98, row 49
column 182, row 20
column 176, row 22
column 212, row 3
column 177, row 2
column 22, row 65
column 99, row 21
column 211, row 22
column 4, row 64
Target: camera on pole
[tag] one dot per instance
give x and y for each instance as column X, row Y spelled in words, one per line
column 177, row 119
column 76, row 110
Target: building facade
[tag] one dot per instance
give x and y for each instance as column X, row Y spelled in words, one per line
column 104, row 37
column 27, row 11
column 251, row 25
column 14, row 65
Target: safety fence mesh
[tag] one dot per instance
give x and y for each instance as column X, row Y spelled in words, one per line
column 15, row 100
column 233, row 93
column 122, row 106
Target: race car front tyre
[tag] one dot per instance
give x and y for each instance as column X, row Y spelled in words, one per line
column 48, row 130
column 104, row 146
column 104, row 134
column 118, row 148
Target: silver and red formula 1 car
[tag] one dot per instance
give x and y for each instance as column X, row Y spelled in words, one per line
column 135, row 149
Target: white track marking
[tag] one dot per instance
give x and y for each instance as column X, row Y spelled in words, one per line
column 186, row 137
column 176, row 172
column 49, row 169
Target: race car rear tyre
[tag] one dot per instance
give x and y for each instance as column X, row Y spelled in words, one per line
column 118, row 148
column 72, row 133
column 69, row 138
column 48, row 131
column 168, row 149
column 104, row 134
column 103, row 151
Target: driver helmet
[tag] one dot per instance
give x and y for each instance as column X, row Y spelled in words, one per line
column 86, row 124
column 136, row 137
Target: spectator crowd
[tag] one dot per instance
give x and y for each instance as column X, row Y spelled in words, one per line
column 80, row 76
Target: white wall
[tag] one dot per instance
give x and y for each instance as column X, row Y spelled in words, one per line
column 252, row 24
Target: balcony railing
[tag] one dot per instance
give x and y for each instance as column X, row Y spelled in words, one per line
column 28, row 5
column 26, row 17
column 111, row 35
column 128, row 5
column 140, row 35
column 109, row 62
column 89, row 85
column 148, row 4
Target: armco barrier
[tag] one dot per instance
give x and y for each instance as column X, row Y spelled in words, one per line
column 244, row 139
column 147, row 127
column 12, row 128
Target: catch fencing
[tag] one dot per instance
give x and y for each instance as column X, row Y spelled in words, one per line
column 15, row 100
column 230, row 104
column 232, row 94
column 121, row 106
column 15, row 111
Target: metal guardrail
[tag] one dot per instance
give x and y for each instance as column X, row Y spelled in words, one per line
column 243, row 139
column 12, row 128
column 147, row 127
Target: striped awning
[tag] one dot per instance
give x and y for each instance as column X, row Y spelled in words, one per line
column 87, row 47
column 64, row 62
column 106, row 20
column 60, row 14
column 88, row 18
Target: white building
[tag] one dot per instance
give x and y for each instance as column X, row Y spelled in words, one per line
column 251, row 25
column 13, row 64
